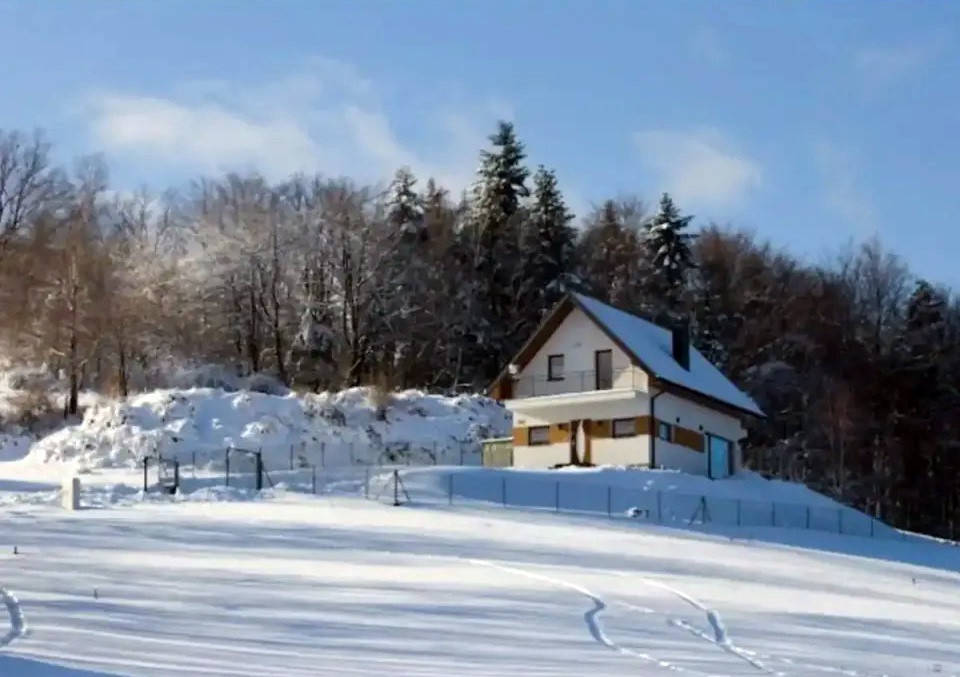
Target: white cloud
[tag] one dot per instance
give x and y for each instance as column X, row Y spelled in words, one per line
column 327, row 118
column 843, row 190
column 700, row 167
column 881, row 67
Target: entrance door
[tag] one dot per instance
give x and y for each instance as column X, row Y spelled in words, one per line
column 603, row 368
column 719, row 457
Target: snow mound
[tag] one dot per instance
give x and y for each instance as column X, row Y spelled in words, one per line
column 327, row 429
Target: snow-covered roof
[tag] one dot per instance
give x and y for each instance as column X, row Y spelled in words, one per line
column 652, row 345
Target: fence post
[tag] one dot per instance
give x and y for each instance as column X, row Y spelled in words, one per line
column 773, row 513
column 556, row 497
column 839, row 520
column 291, row 457
column 808, row 517
column 323, row 454
column 872, row 523
column 396, row 487
column 366, row 482
column 739, row 510
column 226, row 468
column 146, row 483
column 258, row 463
column 609, row 500
column 503, row 491
column 313, row 479
column 176, row 475
column 450, row 490
column 659, row 507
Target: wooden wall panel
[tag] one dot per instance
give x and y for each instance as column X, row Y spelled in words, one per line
column 521, row 437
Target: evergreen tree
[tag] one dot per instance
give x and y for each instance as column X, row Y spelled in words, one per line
column 494, row 228
column 610, row 257
column 405, row 209
column 548, row 245
column 669, row 249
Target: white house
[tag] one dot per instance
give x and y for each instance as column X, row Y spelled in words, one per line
column 597, row 385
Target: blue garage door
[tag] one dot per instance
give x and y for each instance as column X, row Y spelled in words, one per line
column 719, row 456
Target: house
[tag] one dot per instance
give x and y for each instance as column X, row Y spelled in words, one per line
column 597, row 385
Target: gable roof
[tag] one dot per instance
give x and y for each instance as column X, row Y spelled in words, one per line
column 650, row 346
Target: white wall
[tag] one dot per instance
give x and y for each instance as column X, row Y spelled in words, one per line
column 541, row 455
column 677, row 457
column 621, row 451
column 669, row 408
column 577, row 339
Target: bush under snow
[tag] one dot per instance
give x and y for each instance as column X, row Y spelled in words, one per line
column 331, row 429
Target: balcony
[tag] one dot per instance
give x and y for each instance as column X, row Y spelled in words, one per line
column 627, row 378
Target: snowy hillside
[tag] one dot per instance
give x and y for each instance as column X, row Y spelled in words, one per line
column 301, row 586
column 331, row 429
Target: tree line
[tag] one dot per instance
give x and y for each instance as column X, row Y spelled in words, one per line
column 322, row 282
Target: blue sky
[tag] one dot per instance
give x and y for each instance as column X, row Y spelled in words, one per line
column 812, row 123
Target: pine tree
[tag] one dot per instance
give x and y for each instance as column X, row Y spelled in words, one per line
column 610, row 257
column 669, row 248
column 548, row 246
column 493, row 226
column 405, row 209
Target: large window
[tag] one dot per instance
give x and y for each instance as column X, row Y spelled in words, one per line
column 555, row 368
column 624, row 427
column 665, row 431
column 540, row 435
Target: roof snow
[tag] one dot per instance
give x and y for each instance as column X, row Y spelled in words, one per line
column 653, row 346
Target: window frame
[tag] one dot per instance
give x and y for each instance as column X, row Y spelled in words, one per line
column 533, row 443
column 551, row 376
column 613, row 428
column 664, row 426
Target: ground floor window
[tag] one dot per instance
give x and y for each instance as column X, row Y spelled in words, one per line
column 624, row 427
column 664, row 431
column 540, row 435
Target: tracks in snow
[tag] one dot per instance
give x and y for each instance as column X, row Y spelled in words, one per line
column 590, row 617
column 18, row 627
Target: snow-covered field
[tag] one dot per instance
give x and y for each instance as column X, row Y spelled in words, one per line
column 291, row 585
column 221, row 582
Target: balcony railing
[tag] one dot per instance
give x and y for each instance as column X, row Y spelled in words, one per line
column 576, row 382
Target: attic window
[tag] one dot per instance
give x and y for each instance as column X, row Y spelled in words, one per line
column 555, row 368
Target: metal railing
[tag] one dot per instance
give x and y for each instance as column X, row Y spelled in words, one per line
column 539, row 385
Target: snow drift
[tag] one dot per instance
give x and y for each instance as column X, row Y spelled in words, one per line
column 327, row 429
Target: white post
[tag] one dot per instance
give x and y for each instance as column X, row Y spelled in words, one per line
column 71, row 493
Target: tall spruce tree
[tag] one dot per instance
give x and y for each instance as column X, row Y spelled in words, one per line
column 669, row 250
column 404, row 207
column 549, row 247
column 494, row 224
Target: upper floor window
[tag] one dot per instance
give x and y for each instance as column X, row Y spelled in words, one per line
column 664, row 431
column 555, row 368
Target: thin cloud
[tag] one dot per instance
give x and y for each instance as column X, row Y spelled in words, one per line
column 843, row 191
column 882, row 67
column 700, row 167
column 326, row 118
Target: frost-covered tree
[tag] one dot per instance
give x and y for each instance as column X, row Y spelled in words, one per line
column 493, row 231
column 549, row 246
column 669, row 250
column 404, row 206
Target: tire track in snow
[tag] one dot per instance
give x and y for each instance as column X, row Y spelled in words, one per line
column 720, row 635
column 722, row 638
column 590, row 617
column 18, row 627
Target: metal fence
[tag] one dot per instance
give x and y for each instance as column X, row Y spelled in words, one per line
column 654, row 506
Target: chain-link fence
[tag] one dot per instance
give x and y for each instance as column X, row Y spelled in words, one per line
column 657, row 506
